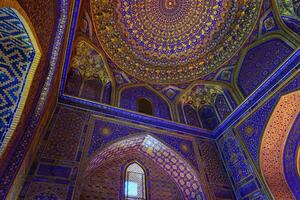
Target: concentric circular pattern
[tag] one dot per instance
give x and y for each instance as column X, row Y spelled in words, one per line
column 172, row 41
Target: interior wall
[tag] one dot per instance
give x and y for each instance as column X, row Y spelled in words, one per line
column 279, row 148
column 251, row 128
column 246, row 181
column 241, row 145
column 89, row 77
column 55, row 159
column 215, row 173
column 107, row 182
column 74, row 136
column 129, row 100
column 289, row 12
column 267, row 47
column 43, row 18
column 205, row 105
column 55, row 167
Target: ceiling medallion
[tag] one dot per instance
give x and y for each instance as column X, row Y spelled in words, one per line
column 172, row 41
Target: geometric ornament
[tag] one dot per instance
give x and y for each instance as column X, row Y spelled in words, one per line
column 172, row 41
column 19, row 57
column 180, row 170
column 89, row 62
column 274, row 143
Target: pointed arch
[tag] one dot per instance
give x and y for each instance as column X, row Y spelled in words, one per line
column 135, row 186
column 95, row 73
column 20, row 55
column 164, row 111
column 223, row 107
column 191, row 116
column 273, row 146
column 230, row 100
column 235, row 96
column 183, row 174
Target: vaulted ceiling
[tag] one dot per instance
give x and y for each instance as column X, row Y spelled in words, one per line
column 172, row 41
column 181, row 55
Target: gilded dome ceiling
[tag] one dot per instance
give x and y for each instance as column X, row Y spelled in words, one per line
column 172, row 41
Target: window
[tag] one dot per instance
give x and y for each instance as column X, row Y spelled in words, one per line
column 145, row 106
column 135, row 187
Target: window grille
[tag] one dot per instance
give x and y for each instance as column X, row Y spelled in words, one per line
column 135, row 187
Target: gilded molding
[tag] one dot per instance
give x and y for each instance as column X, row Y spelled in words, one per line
column 89, row 66
column 200, row 96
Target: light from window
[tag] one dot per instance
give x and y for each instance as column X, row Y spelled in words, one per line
column 135, row 183
column 131, row 188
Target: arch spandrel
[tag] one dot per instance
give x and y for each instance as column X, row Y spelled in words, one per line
column 176, row 167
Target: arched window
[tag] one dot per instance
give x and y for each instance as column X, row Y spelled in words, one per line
column 135, row 186
column 145, row 106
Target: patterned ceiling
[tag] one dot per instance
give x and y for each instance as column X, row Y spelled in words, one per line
column 172, row 41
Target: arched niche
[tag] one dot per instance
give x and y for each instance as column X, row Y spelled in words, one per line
column 195, row 101
column 279, row 146
column 129, row 96
column 208, row 117
column 89, row 76
column 183, row 174
column 20, row 54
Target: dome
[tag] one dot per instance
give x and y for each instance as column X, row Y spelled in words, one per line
column 172, row 41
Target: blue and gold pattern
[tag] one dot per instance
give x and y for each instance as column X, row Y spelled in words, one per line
column 18, row 156
column 245, row 180
column 232, row 144
column 172, row 41
column 17, row 65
